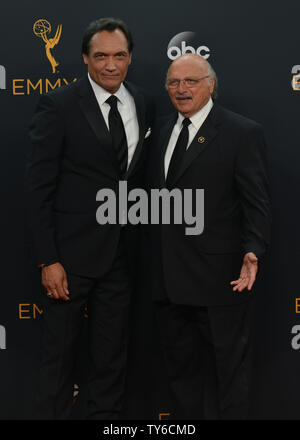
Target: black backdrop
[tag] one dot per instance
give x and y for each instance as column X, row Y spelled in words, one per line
column 253, row 47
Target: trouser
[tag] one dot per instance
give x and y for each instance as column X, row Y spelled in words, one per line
column 107, row 301
column 207, row 350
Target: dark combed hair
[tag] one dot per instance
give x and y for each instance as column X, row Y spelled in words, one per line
column 105, row 24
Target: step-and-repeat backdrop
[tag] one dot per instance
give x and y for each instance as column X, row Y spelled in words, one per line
column 254, row 49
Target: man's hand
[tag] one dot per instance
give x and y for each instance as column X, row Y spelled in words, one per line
column 248, row 273
column 54, row 279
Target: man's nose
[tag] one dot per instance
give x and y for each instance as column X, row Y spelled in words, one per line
column 110, row 64
column 182, row 88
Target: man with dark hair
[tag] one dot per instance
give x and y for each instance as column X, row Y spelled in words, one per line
column 106, row 24
column 202, row 284
column 86, row 136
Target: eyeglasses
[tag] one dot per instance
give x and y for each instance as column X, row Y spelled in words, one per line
column 188, row 82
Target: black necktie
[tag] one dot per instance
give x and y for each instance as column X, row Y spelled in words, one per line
column 117, row 132
column 179, row 150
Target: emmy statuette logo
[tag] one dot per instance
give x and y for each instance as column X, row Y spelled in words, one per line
column 41, row 29
column 28, row 86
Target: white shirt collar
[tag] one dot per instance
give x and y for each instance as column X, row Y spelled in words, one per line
column 102, row 95
column 198, row 118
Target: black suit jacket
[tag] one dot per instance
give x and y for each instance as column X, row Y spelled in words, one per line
column 229, row 162
column 71, row 159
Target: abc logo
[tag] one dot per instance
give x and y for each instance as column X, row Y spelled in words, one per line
column 185, row 43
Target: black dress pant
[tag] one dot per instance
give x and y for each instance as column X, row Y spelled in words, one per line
column 107, row 301
column 207, row 352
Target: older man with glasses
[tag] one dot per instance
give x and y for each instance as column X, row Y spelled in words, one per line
column 202, row 285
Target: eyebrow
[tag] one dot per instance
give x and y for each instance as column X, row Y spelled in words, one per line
column 186, row 77
column 121, row 52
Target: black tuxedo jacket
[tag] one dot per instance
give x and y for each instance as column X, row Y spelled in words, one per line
column 227, row 158
column 72, row 157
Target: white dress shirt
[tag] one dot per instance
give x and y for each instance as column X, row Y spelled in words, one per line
column 196, row 121
column 127, row 110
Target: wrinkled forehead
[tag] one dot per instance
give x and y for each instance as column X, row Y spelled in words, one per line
column 188, row 67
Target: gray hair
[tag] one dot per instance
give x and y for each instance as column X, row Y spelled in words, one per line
column 213, row 75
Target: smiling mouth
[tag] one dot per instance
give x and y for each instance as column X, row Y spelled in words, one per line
column 183, row 98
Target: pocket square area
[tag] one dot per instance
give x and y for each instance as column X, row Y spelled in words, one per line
column 148, row 133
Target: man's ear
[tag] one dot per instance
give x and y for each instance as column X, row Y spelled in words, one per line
column 85, row 58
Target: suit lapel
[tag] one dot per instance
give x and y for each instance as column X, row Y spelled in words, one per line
column 140, row 112
column 201, row 141
column 93, row 114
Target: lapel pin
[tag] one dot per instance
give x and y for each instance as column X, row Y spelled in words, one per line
column 201, row 139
